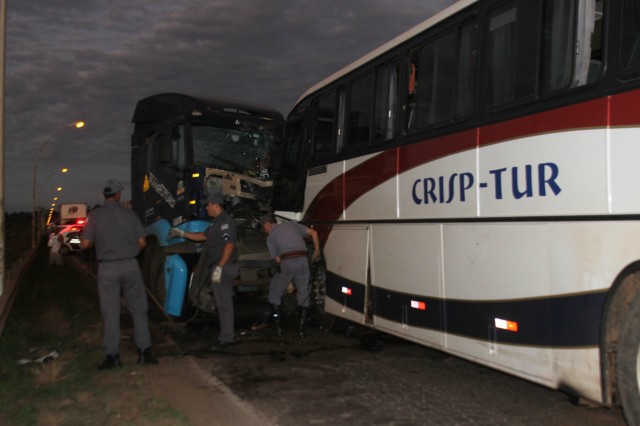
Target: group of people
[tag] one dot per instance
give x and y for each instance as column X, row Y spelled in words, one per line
column 287, row 248
column 117, row 236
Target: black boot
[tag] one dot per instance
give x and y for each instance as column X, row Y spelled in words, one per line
column 276, row 317
column 303, row 312
column 146, row 357
column 110, row 362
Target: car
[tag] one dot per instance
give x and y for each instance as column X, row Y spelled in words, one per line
column 71, row 242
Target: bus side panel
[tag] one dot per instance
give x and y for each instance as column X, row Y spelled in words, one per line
column 486, row 263
column 552, row 174
column 325, row 189
column 444, row 186
column 358, row 181
column 347, row 259
column 624, row 152
column 406, row 272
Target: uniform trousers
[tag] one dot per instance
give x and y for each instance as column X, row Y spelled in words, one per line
column 223, row 293
column 116, row 278
column 296, row 270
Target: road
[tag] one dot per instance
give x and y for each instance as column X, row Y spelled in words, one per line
column 366, row 378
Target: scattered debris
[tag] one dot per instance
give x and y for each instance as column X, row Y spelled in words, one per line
column 46, row 358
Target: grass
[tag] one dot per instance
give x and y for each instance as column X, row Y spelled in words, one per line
column 56, row 309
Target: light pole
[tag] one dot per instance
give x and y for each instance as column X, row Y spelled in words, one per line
column 62, row 170
column 76, row 124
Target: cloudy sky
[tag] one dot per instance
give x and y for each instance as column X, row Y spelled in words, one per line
column 92, row 60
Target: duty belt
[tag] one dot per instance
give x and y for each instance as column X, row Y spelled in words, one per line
column 115, row 260
column 292, row 254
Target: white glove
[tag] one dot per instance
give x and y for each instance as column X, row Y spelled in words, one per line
column 176, row 233
column 216, row 275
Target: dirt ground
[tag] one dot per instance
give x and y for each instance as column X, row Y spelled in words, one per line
column 56, row 313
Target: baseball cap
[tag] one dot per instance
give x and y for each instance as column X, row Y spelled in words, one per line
column 113, row 186
column 216, row 198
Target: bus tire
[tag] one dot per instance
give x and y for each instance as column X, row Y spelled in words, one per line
column 628, row 363
column 327, row 322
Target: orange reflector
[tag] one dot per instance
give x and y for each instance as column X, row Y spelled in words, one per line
column 192, row 201
column 506, row 325
column 346, row 290
column 422, row 306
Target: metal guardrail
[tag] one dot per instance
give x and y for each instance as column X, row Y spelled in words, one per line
column 12, row 277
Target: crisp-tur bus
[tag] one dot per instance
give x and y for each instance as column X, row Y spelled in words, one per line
column 184, row 148
column 476, row 186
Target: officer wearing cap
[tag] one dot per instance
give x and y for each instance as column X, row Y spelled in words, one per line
column 289, row 250
column 222, row 258
column 118, row 237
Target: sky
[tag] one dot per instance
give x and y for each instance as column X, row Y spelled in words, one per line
column 93, row 60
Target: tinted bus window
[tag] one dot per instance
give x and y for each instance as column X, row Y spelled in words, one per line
column 629, row 58
column 465, row 98
column 501, row 55
column 360, row 109
column 558, row 41
column 325, row 125
column 386, row 103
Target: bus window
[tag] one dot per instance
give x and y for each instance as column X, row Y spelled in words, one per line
column 501, row 55
column 341, row 118
column 324, row 126
column 558, row 39
column 360, row 108
column 571, row 43
column 434, row 84
column 384, row 120
column 589, row 45
column 629, row 57
column 467, row 71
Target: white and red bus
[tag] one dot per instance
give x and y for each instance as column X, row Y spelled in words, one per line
column 476, row 186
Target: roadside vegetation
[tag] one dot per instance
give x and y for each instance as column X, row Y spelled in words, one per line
column 48, row 354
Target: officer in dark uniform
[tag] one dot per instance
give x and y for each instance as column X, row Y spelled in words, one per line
column 221, row 248
column 289, row 250
column 118, row 237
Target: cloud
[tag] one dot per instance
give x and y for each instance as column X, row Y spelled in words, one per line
column 93, row 60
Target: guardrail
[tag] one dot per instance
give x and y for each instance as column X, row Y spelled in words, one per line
column 12, row 277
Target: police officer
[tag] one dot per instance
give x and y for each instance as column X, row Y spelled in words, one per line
column 287, row 247
column 118, row 237
column 222, row 258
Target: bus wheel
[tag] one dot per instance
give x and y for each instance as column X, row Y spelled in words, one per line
column 327, row 321
column 629, row 363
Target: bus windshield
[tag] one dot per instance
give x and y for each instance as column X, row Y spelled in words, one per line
column 234, row 150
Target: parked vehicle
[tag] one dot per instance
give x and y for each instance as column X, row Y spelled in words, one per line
column 71, row 242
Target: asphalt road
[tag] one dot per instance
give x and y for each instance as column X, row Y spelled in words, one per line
column 366, row 378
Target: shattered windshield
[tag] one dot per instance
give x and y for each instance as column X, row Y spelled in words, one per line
column 245, row 152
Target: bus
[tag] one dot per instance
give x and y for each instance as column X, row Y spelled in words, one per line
column 184, row 148
column 476, row 187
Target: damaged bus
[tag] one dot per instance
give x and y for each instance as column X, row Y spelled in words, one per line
column 184, row 148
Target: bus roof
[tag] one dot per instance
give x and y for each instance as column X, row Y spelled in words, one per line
column 451, row 10
column 166, row 105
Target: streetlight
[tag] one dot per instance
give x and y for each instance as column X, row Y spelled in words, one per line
column 77, row 125
column 62, row 170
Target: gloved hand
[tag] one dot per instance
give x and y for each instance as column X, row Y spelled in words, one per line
column 176, row 233
column 316, row 256
column 216, row 275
